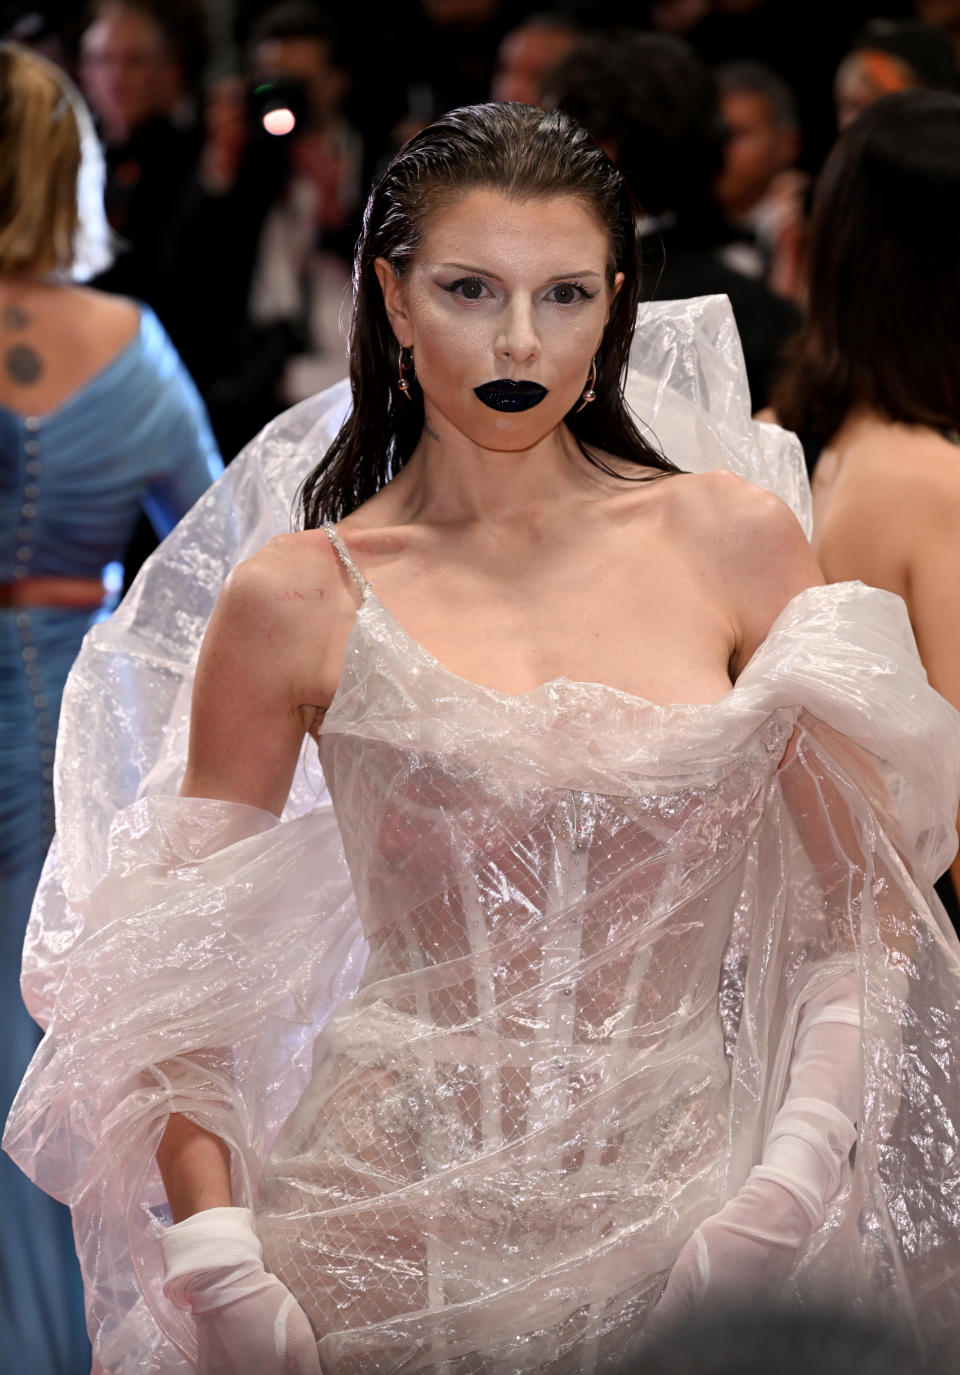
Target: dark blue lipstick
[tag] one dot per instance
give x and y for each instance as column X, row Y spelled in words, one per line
column 504, row 395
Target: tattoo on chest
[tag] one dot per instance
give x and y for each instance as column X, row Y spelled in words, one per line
column 23, row 364
column 12, row 317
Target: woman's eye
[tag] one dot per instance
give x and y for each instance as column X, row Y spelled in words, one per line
column 568, row 293
column 469, row 288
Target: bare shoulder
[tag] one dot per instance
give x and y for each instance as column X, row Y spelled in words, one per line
column 738, row 515
column 886, row 462
column 287, row 576
column 752, row 548
column 277, row 632
column 930, row 469
column 114, row 320
column 266, row 672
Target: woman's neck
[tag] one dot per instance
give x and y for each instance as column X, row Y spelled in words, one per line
column 450, row 480
column 29, row 289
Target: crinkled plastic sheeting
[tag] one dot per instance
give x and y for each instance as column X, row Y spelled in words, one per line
column 589, row 926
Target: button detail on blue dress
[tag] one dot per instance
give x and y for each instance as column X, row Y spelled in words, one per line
column 32, row 422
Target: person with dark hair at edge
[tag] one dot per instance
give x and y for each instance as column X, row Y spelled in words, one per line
column 873, row 383
column 485, row 919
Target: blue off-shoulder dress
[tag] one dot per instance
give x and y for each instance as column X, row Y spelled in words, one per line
column 72, row 485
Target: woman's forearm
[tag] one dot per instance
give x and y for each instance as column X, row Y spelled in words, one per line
column 195, row 1168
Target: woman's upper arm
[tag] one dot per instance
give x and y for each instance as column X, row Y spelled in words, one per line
column 247, row 716
column 768, row 562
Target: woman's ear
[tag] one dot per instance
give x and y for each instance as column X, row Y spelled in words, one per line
column 395, row 302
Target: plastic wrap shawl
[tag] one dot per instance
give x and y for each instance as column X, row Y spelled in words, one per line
column 480, row 1092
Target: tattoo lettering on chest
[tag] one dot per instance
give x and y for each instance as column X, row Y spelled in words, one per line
column 23, row 364
column 12, row 317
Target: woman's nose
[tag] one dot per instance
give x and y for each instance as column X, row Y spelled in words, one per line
column 517, row 338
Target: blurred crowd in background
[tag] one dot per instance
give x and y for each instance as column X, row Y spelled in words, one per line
column 242, row 138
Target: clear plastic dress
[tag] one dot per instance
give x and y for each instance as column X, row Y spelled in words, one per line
column 493, row 1023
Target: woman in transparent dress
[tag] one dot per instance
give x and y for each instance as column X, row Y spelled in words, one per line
column 495, row 920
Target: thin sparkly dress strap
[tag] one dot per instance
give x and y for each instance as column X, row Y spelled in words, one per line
column 343, row 554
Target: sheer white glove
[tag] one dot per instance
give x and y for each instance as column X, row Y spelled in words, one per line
column 749, row 1246
column 247, row 1320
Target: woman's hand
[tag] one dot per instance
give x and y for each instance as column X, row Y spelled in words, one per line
column 744, row 1250
column 265, row 1331
column 247, row 1320
column 749, row 1246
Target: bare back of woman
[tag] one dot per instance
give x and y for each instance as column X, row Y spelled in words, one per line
column 874, row 380
column 54, row 339
column 886, row 500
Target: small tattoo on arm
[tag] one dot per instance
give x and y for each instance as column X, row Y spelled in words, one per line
column 23, row 364
column 12, row 317
column 293, row 594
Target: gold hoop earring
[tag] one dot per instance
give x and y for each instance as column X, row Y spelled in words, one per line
column 590, row 392
column 406, row 372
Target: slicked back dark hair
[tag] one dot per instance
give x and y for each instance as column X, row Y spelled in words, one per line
column 521, row 152
column 883, row 328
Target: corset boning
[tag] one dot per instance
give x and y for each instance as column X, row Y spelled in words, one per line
column 535, row 1058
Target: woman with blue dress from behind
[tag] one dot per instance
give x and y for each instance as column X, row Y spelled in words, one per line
column 98, row 419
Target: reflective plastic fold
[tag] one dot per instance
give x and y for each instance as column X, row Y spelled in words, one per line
column 491, row 1025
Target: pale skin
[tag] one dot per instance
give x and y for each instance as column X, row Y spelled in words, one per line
column 886, row 505
column 497, row 547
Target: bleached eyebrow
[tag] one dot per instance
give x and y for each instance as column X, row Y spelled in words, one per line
column 494, row 276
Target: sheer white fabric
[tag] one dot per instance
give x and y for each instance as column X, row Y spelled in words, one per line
column 246, row 1319
column 493, row 1034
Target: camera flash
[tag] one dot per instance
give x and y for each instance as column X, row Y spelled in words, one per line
column 279, row 122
